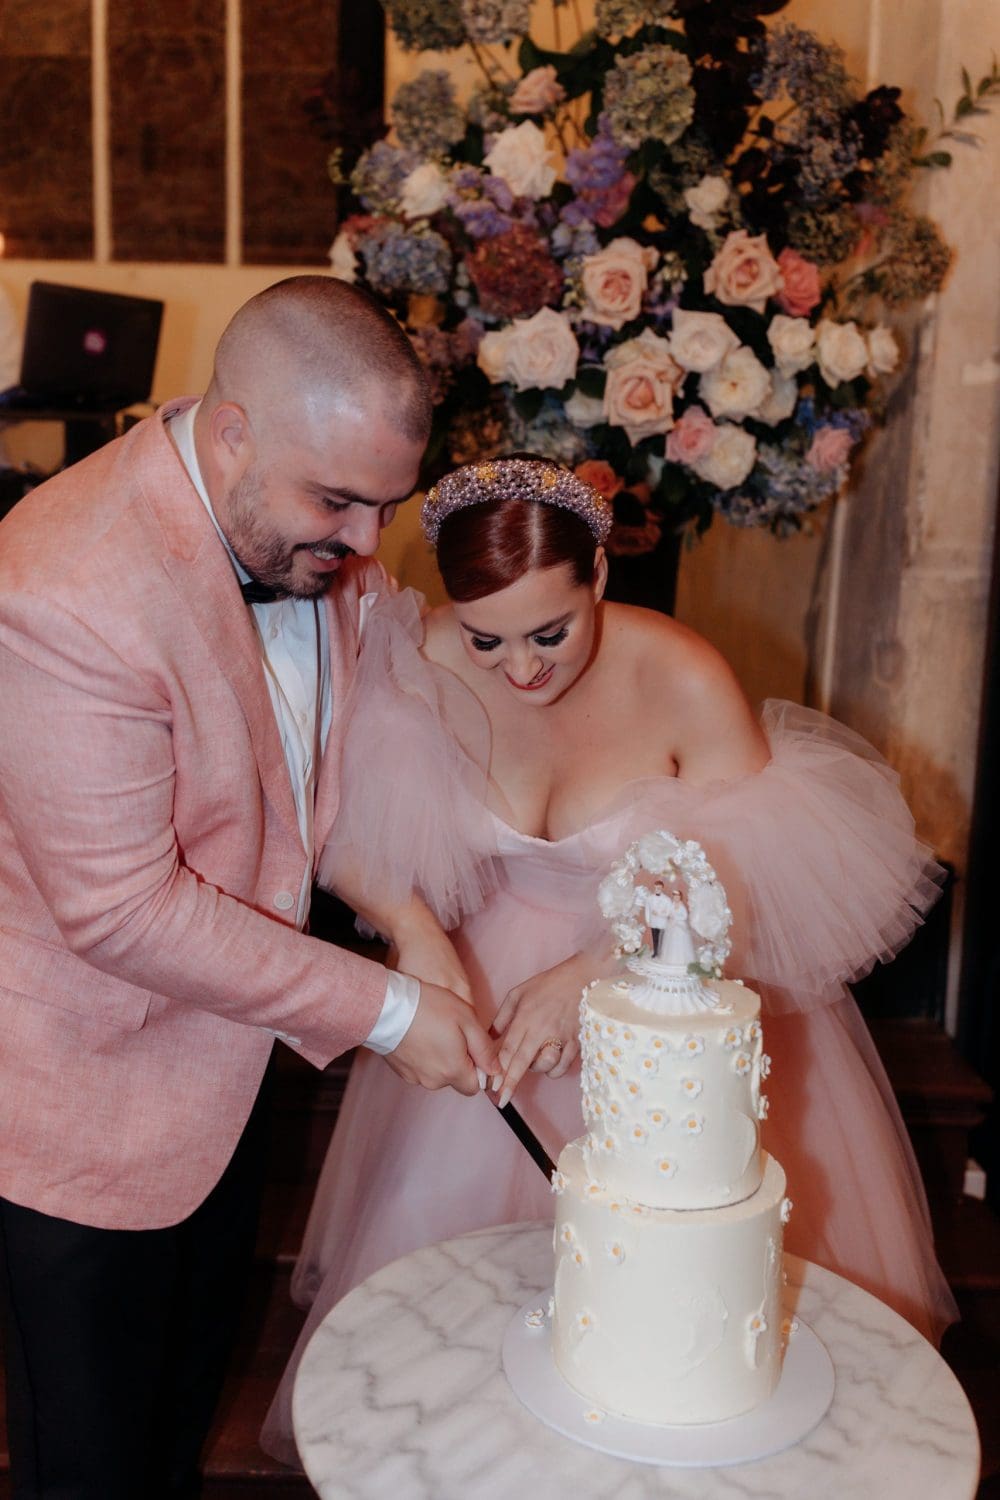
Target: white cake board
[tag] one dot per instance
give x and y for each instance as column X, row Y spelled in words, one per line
column 802, row 1398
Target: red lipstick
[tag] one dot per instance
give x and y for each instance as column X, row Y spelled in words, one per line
column 534, row 684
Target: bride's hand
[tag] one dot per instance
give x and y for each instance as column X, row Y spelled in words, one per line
column 421, row 947
column 537, row 1015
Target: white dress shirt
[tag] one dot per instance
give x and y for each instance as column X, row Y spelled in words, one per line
column 295, row 651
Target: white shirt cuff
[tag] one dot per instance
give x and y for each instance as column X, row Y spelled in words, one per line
column 402, row 996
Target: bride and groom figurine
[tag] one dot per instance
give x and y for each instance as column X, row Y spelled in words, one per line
column 666, row 917
column 670, row 978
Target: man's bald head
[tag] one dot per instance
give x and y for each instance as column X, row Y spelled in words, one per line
column 320, row 343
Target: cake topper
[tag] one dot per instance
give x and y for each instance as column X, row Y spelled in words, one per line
column 686, row 912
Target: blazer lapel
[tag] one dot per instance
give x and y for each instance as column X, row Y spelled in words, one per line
column 200, row 570
column 342, row 627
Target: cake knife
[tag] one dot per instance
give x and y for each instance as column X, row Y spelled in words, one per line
column 528, row 1139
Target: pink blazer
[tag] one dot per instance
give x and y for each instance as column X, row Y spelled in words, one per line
column 150, row 857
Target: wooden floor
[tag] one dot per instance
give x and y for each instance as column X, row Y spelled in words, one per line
column 968, row 1243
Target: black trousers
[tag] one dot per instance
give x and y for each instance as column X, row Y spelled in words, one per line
column 117, row 1341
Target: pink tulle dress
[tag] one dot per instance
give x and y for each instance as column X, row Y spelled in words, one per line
column 824, row 876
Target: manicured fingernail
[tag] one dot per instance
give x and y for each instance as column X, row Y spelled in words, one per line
column 504, row 1099
column 497, row 1081
column 481, row 1075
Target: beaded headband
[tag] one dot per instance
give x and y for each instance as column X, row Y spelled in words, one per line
column 515, row 479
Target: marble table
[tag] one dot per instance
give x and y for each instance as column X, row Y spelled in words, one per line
column 400, row 1396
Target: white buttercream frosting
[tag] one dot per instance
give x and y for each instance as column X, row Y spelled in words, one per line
column 683, row 1323
column 672, row 1100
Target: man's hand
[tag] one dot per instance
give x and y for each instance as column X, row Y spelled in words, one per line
column 444, row 1045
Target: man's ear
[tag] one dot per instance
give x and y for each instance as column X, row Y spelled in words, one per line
column 231, row 439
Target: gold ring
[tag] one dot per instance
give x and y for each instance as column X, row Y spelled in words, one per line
column 553, row 1041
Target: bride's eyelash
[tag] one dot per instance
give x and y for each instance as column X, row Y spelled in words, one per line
column 490, row 643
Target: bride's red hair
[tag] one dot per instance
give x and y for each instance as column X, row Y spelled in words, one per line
column 482, row 549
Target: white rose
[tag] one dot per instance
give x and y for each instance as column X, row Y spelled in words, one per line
column 537, row 91
column 730, row 460
column 532, row 353
column 841, row 352
column 584, row 411
column 883, row 351
column 701, row 340
column 707, row 910
column 424, row 191
column 343, row 261
column 793, row 341
column 656, row 850
column 781, row 401
column 614, row 897
column 706, row 201
column 520, row 156
column 738, row 387
column 642, row 379
column 614, row 282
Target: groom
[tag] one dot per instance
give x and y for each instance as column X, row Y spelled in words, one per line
column 168, row 774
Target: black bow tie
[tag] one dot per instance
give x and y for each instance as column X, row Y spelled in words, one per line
column 255, row 592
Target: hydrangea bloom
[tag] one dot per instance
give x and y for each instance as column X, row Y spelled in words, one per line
column 426, row 113
column 615, row 17
column 402, row 262
column 492, row 21
column 379, row 176
column 648, row 96
column 426, row 24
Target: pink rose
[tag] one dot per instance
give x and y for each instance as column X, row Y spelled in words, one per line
column 801, row 291
column 601, row 475
column 639, row 391
column 614, row 282
column 536, row 92
column 692, row 437
column 830, row 449
column 744, row 273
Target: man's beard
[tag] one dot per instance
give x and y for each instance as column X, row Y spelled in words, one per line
column 264, row 554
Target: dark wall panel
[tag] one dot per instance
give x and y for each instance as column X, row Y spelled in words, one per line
column 46, row 194
column 167, row 129
column 288, row 201
column 312, row 80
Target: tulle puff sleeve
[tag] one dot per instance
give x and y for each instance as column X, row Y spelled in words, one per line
column 817, row 851
column 415, row 754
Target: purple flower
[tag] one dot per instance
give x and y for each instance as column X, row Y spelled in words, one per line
column 481, row 220
column 596, row 167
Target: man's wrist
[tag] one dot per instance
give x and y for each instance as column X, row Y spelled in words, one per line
column 402, row 996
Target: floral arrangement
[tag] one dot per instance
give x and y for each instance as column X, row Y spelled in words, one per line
column 665, row 252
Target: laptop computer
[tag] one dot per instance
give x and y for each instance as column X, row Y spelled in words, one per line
column 84, row 351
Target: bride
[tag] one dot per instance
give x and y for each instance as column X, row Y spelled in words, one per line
column 502, row 751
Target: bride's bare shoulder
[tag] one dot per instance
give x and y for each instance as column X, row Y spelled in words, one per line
column 664, row 652
column 441, row 642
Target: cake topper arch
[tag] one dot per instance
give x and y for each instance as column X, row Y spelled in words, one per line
column 700, row 923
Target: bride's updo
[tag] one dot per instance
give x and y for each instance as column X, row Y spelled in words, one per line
column 532, row 514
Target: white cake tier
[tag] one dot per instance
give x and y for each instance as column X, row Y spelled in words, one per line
column 666, row 1316
column 671, row 1103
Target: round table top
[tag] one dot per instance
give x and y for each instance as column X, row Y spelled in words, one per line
column 400, row 1395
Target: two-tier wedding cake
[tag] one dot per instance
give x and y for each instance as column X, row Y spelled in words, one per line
column 667, row 1304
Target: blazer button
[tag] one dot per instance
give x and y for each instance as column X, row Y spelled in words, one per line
column 284, row 900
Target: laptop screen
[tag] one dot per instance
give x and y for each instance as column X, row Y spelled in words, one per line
column 82, row 345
